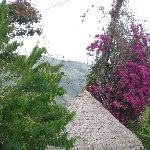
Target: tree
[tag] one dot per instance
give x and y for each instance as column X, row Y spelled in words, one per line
column 24, row 17
column 107, row 47
column 29, row 115
column 21, row 17
column 6, row 48
column 107, row 44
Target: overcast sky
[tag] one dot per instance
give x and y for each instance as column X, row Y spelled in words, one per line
column 64, row 34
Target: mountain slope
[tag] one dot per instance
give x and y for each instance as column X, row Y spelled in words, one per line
column 74, row 77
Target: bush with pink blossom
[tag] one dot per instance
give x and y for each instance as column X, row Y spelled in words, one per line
column 128, row 90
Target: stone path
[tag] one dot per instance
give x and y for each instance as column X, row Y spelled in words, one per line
column 96, row 129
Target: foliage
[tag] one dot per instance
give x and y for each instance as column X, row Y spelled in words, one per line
column 122, row 72
column 7, row 48
column 30, row 119
column 123, row 69
column 92, row 86
column 129, row 90
column 142, row 131
column 29, row 116
column 24, row 16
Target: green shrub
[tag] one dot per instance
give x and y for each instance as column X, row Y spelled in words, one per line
column 29, row 116
column 30, row 119
column 143, row 131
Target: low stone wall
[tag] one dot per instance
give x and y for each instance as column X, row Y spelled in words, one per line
column 96, row 129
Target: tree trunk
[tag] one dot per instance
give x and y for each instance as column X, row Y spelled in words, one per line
column 103, row 64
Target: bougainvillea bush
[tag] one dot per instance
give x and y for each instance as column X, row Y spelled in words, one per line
column 120, row 76
column 128, row 89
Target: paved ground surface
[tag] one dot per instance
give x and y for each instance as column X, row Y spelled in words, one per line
column 96, row 129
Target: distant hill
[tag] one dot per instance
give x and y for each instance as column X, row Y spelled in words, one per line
column 73, row 80
column 74, row 77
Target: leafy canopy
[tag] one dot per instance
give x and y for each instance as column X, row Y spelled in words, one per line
column 29, row 116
